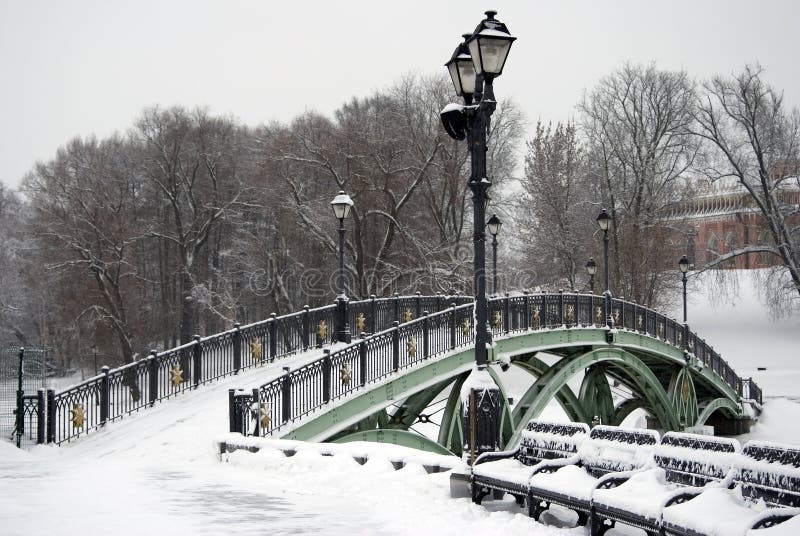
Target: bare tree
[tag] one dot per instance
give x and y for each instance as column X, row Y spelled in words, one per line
column 756, row 141
column 637, row 123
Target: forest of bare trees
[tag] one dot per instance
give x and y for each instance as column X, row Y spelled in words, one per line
column 189, row 221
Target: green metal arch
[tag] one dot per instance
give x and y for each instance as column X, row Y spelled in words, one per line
column 709, row 407
column 395, row 437
column 565, row 396
column 595, row 394
column 682, row 393
column 451, row 435
column 561, row 372
column 627, row 407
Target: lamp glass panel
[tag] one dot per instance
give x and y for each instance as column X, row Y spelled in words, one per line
column 453, row 67
column 493, row 53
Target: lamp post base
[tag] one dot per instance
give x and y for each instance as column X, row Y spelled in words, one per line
column 342, row 332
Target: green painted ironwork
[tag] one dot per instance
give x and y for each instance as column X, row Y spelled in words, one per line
column 395, row 437
column 451, row 434
column 626, row 407
column 595, row 394
column 565, row 396
column 710, row 406
column 683, row 396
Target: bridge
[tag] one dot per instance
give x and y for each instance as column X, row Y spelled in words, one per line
column 407, row 352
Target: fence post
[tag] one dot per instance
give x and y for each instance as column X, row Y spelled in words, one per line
column 362, row 357
column 373, row 314
column 41, row 415
column 396, row 307
column 232, row 413
column 286, row 397
column 152, row 373
column 20, row 402
column 426, row 339
column 326, row 376
column 237, row 348
column 105, row 402
column 527, row 309
column 418, row 305
column 506, row 313
column 51, row 416
column 197, row 357
column 396, row 346
column 273, row 337
column 453, row 326
column 561, row 306
column 256, row 405
column 306, row 328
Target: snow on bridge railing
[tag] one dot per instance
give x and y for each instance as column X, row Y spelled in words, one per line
column 117, row 392
column 307, row 389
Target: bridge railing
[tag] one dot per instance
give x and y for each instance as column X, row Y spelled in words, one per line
column 117, row 392
column 307, row 389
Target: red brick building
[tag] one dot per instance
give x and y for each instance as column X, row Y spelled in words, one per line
column 725, row 219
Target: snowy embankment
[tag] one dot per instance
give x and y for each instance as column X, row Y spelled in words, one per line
column 159, row 471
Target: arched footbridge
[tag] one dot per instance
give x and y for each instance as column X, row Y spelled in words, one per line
column 411, row 351
column 379, row 387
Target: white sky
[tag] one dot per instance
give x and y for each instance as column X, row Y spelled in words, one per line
column 80, row 67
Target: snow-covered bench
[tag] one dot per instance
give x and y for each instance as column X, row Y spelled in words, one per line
column 685, row 465
column 510, row 471
column 570, row 482
column 766, row 492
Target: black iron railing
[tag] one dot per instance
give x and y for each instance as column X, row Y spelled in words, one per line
column 121, row 391
column 397, row 334
column 307, row 389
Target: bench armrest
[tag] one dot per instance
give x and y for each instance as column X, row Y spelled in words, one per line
column 774, row 516
column 612, row 480
column 551, row 466
column 493, row 456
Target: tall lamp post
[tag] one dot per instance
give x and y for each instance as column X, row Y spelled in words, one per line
column 341, row 208
column 591, row 269
column 683, row 264
column 494, row 225
column 473, row 67
column 603, row 221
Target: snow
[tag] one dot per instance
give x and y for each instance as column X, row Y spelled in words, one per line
column 160, row 470
column 570, row 480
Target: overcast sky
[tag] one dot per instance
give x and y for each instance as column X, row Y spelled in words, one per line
column 70, row 68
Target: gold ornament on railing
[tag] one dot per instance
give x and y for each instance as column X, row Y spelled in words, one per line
column 660, row 330
column 345, row 375
column 263, row 412
column 322, row 330
column 616, row 317
column 639, row 322
column 361, row 323
column 411, row 346
column 496, row 320
column 680, row 338
column 175, row 375
column 255, row 349
column 685, row 389
column 465, row 327
column 407, row 316
column 598, row 314
column 569, row 316
column 77, row 415
column 535, row 319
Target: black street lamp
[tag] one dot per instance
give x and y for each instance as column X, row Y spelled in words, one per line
column 475, row 64
column 603, row 221
column 341, row 208
column 473, row 67
column 591, row 269
column 494, row 225
column 683, row 264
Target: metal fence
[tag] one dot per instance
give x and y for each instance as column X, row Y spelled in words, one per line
column 65, row 415
column 307, row 389
column 28, row 366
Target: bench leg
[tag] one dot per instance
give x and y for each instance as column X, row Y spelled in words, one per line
column 535, row 508
column 597, row 525
column 478, row 493
column 583, row 519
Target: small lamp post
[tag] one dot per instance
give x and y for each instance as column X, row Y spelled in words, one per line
column 683, row 264
column 591, row 269
column 341, row 208
column 603, row 221
column 494, row 224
